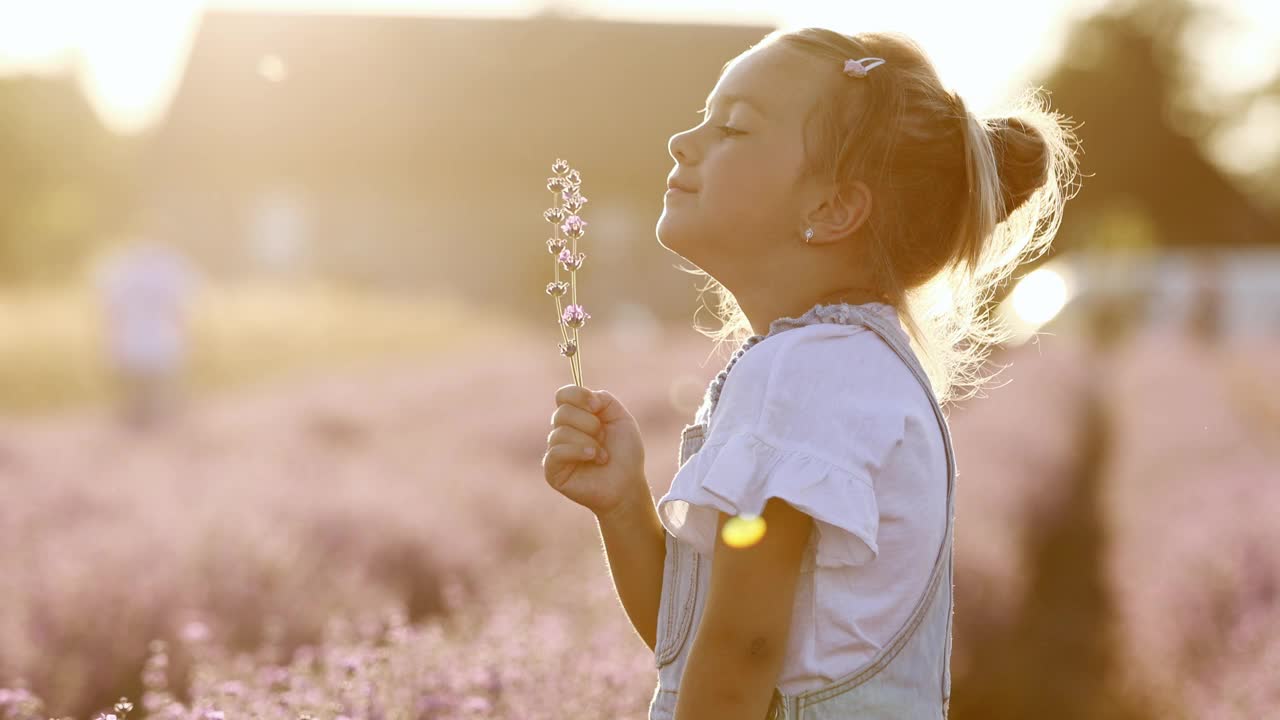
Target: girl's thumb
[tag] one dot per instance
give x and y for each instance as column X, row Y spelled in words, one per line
column 599, row 400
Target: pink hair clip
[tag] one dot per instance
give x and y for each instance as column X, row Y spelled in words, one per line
column 856, row 68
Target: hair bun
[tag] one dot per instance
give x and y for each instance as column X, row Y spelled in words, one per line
column 1022, row 159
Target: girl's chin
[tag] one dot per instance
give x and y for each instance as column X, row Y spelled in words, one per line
column 670, row 232
column 677, row 243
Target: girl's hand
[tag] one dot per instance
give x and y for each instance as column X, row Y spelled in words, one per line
column 595, row 455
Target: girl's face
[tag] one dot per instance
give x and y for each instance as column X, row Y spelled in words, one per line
column 742, row 212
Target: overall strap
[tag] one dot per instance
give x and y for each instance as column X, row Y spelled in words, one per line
column 896, row 339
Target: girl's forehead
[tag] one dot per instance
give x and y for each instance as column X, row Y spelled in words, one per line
column 779, row 81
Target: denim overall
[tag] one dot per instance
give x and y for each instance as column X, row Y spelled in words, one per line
column 908, row 679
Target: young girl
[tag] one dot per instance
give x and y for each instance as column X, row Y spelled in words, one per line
column 839, row 195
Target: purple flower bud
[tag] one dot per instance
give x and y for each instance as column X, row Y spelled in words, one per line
column 575, row 316
column 554, row 215
column 573, row 202
column 234, row 688
column 570, row 262
column 560, row 167
column 574, row 178
column 195, row 632
column 574, row 227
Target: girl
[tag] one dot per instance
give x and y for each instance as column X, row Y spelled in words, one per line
column 851, row 210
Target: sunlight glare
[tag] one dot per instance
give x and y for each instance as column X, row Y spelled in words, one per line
column 272, row 68
column 1040, row 296
column 742, row 531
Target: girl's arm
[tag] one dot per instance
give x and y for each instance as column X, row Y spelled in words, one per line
column 635, row 543
column 741, row 640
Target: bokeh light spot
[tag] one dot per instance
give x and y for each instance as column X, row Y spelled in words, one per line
column 741, row 531
column 272, row 68
column 1040, row 296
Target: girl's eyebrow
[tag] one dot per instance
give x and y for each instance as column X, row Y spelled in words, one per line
column 732, row 98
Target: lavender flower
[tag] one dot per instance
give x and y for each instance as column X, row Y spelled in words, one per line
column 573, row 202
column 570, row 261
column 195, row 632
column 574, row 227
column 565, row 186
column 575, row 316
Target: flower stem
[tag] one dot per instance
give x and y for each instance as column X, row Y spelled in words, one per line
column 577, row 355
column 573, row 285
column 564, row 334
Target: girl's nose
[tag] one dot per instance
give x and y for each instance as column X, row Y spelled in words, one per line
column 677, row 147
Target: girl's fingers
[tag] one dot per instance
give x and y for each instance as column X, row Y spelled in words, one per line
column 561, row 456
column 576, row 395
column 565, row 435
column 576, row 417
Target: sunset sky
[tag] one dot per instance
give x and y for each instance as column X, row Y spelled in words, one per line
column 131, row 52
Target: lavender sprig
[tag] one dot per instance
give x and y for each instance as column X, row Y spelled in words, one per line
column 565, row 186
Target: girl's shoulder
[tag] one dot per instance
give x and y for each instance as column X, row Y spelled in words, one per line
column 831, row 356
column 805, row 384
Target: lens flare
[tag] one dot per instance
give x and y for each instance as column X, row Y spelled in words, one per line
column 742, row 531
column 1039, row 296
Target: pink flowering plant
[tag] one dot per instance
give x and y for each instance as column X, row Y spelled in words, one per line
column 564, row 217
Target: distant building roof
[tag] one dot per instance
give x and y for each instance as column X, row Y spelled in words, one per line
column 463, row 89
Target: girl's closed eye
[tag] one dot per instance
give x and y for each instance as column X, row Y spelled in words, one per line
column 725, row 130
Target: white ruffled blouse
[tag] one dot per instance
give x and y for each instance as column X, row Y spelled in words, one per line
column 823, row 414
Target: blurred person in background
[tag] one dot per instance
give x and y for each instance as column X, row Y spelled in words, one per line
column 144, row 292
column 1208, row 298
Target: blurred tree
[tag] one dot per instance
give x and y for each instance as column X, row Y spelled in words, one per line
column 1265, row 102
column 1057, row 657
column 64, row 182
column 1130, row 76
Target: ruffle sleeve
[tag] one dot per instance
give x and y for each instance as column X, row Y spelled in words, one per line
column 739, row 473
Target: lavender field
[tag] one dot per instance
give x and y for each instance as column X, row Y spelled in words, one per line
column 382, row 543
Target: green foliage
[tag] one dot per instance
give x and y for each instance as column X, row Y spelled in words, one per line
column 1130, row 75
column 65, row 183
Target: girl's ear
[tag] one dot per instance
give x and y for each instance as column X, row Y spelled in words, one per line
column 842, row 213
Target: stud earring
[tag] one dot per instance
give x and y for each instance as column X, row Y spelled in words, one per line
column 808, row 234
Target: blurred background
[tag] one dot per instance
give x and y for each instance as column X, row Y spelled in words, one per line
column 277, row 363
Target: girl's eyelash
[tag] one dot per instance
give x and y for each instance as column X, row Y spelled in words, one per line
column 722, row 128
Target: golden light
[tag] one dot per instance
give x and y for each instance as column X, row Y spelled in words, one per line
column 272, row 68
column 741, row 531
column 126, row 52
column 1039, row 296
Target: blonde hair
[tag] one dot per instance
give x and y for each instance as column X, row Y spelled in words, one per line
column 960, row 201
